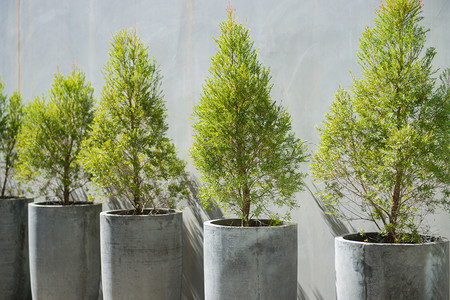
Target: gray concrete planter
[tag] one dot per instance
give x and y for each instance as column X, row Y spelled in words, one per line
column 391, row 271
column 250, row 262
column 141, row 255
column 64, row 251
column 14, row 268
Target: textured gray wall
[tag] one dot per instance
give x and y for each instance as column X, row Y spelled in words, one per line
column 310, row 46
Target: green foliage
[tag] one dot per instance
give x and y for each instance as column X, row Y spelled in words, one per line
column 385, row 143
column 11, row 115
column 52, row 133
column 243, row 145
column 128, row 152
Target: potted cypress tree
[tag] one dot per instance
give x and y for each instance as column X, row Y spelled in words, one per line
column 63, row 233
column 384, row 157
column 129, row 154
column 14, row 270
column 248, row 158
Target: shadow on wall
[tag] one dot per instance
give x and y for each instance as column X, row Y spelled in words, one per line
column 301, row 294
column 194, row 216
column 336, row 226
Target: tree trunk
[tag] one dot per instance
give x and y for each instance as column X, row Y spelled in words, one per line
column 66, row 195
column 66, row 176
column 395, row 209
column 246, row 207
column 66, row 184
column 139, row 207
column 4, row 181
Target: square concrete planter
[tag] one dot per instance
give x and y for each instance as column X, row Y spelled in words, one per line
column 367, row 270
column 250, row 262
column 141, row 255
column 64, row 251
column 14, row 267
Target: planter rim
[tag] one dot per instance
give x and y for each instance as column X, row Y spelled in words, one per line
column 214, row 223
column 15, row 198
column 111, row 213
column 344, row 239
column 79, row 204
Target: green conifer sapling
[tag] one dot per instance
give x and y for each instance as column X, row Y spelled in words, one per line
column 244, row 148
column 52, row 133
column 384, row 150
column 128, row 152
column 11, row 115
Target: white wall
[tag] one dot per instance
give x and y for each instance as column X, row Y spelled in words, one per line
column 310, row 46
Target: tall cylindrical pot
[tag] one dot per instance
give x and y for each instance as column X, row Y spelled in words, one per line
column 250, row 262
column 141, row 255
column 14, row 268
column 64, row 251
column 367, row 270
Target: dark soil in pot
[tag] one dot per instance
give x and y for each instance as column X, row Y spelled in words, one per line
column 148, row 212
column 375, row 237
